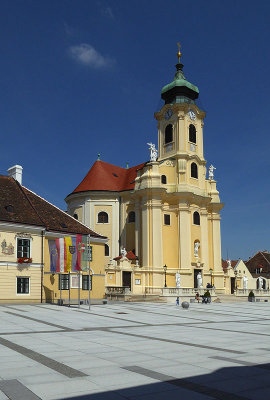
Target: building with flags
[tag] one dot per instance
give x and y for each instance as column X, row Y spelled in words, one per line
column 166, row 210
column 45, row 253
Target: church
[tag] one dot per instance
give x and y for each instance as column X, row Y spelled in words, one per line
column 163, row 216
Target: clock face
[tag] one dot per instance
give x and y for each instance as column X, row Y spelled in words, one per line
column 168, row 114
column 192, row 115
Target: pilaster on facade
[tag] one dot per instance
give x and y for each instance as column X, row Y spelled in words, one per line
column 185, row 236
column 204, row 238
column 137, row 229
column 216, row 243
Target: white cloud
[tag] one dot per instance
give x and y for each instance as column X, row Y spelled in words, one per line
column 87, row 55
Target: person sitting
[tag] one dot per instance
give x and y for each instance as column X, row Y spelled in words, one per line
column 197, row 297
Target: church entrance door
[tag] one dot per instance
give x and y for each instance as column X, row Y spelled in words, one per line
column 127, row 279
column 196, row 271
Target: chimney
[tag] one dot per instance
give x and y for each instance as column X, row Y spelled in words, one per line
column 16, row 173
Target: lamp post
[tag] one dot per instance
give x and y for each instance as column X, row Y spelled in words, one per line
column 211, row 272
column 235, row 273
column 165, row 269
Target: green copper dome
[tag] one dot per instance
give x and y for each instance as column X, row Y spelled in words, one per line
column 179, row 90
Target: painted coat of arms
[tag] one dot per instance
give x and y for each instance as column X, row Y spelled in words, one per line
column 7, row 249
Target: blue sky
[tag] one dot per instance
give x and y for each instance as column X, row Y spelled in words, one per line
column 80, row 78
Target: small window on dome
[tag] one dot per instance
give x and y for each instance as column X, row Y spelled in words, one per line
column 103, row 217
column 164, row 179
column 192, row 133
column 63, row 225
column 196, row 218
column 194, row 170
column 106, row 250
column 131, row 216
column 75, row 216
column 167, row 219
column 168, row 134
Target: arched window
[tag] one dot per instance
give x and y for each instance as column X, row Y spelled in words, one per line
column 192, row 133
column 194, row 170
column 75, row 216
column 131, row 216
column 107, row 250
column 103, row 217
column 164, row 179
column 168, row 134
column 196, row 218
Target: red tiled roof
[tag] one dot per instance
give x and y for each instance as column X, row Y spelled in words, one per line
column 130, row 256
column 28, row 208
column 105, row 176
column 225, row 264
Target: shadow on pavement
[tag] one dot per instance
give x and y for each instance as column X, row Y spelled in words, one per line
column 233, row 383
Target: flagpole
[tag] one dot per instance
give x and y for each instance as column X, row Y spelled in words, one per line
column 79, row 289
column 69, row 288
column 89, row 277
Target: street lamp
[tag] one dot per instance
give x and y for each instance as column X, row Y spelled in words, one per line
column 165, row 269
column 235, row 273
column 211, row 272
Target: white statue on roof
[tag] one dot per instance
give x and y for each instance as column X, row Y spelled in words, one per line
column 245, row 281
column 123, row 252
column 211, row 172
column 196, row 249
column 229, row 264
column 199, row 281
column 260, row 282
column 153, row 152
column 178, row 279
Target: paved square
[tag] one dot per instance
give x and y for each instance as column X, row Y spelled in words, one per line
column 135, row 351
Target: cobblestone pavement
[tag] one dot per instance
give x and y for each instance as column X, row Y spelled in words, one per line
column 135, row 351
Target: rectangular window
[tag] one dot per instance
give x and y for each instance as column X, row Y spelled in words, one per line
column 167, row 219
column 85, row 282
column 23, row 248
column 63, row 282
column 75, row 281
column 22, row 285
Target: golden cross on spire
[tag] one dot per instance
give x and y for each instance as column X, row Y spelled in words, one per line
column 179, row 52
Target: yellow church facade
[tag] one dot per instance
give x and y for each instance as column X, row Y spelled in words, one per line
column 162, row 217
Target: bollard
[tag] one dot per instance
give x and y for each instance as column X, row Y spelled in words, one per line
column 185, row 305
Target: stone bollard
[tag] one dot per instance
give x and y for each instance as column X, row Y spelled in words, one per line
column 185, row 304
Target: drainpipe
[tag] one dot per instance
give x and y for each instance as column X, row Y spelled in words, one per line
column 42, row 265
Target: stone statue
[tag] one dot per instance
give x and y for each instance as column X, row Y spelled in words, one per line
column 211, row 172
column 229, row 264
column 260, row 282
column 245, row 281
column 153, row 152
column 199, row 280
column 196, row 249
column 178, row 279
column 123, row 252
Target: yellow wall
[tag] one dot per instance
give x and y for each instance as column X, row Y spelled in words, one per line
column 170, row 241
column 8, row 284
column 11, row 269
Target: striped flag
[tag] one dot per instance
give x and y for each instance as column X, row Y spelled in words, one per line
column 67, row 254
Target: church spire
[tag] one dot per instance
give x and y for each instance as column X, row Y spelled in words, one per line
column 179, row 90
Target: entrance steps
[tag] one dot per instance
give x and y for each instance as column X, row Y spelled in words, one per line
column 230, row 298
column 143, row 298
